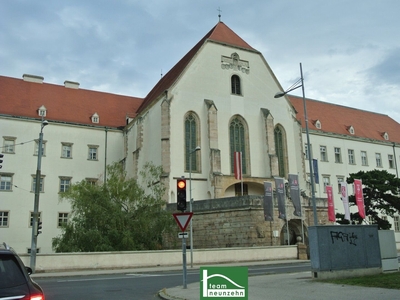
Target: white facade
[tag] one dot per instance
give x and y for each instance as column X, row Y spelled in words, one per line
column 21, row 165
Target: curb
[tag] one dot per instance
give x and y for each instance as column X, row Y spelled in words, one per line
column 163, row 295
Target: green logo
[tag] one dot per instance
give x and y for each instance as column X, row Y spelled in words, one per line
column 223, row 283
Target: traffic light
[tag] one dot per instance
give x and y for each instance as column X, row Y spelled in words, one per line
column 1, row 160
column 181, row 194
column 39, row 228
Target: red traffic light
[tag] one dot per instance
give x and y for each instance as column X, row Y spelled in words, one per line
column 181, row 184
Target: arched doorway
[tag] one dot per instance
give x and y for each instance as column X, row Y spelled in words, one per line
column 297, row 232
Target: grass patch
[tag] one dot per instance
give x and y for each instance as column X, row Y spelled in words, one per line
column 384, row 280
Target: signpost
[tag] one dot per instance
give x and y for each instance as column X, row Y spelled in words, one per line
column 183, row 220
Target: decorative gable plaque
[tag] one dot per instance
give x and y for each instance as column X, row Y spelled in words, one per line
column 235, row 63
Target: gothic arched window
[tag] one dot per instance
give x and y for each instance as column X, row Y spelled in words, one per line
column 280, row 149
column 192, row 140
column 238, row 141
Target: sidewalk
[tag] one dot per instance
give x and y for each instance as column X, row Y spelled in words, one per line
column 297, row 286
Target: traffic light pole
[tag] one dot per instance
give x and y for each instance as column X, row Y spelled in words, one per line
column 184, row 262
column 35, row 216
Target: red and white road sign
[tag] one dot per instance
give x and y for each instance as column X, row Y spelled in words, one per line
column 183, row 219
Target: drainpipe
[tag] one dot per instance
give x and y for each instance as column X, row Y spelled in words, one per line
column 105, row 156
column 395, row 160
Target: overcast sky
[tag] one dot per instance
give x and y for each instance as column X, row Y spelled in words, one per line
column 350, row 50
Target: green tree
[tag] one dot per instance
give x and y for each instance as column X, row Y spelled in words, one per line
column 381, row 196
column 119, row 215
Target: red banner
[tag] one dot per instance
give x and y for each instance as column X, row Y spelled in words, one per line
column 237, row 165
column 359, row 197
column 331, row 205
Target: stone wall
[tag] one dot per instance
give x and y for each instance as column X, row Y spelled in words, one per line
column 238, row 222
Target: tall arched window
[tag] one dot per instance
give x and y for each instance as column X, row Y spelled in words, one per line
column 235, row 84
column 280, row 149
column 192, row 140
column 238, row 140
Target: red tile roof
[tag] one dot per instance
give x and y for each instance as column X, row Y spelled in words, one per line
column 22, row 98
column 337, row 119
column 220, row 33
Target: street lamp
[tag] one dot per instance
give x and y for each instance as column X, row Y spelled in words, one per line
column 296, row 85
column 191, row 202
column 35, row 217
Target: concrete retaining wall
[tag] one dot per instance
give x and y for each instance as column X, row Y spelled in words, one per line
column 118, row 260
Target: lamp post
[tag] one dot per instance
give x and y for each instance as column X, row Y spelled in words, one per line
column 296, row 85
column 35, row 217
column 191, row 202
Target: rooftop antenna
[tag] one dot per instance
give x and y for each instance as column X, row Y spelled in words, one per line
column 219, row 15
column 161, row 73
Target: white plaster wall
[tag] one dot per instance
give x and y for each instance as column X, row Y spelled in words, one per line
column 23, row 164
column 205, row 79
column 335, row 170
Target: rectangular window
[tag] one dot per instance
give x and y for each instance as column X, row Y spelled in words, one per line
column 322, row 150
column 350, row 153
column 66, row 150
column 5, row 182
column 41, row 189
column 65, row 182
column 326, row 181
column 37, row 147
column 396, row 221
column 62, row 219
column 339, row 181
column 4, row 218
column 338, row 155
column 364, row 160
column 306, row 151
column 93, row 155
column 391, row 161
column 39, row 219
column 92, row 181
column 378, row 160
column 9, row 144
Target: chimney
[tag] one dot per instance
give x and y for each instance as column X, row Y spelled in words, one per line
column 32, row 78
column 71, row 84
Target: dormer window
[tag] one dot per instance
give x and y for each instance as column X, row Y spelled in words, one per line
column 318, row 124
column 351, row 130
column 42, row 111
column 95, row 118
column 385, row 135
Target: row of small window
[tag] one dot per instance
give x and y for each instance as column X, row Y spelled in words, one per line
column 351, row 157
column 6, row 182
column 66, row 148
column 5, row 217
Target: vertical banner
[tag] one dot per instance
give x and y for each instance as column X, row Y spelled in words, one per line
column 280, row 193
column 359, row 197
column 345, row 199
column 237, row 165
column 315, row 169
column 331, row 205
column 295, row 193
column 268, row 203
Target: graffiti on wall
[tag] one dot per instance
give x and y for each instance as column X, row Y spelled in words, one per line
column 338, row 236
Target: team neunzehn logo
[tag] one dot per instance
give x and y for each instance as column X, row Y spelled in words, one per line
column 223, row 283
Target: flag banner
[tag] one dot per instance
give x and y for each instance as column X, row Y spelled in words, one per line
column 331, row 205
column 280, row 193
column 359, row 197
column 295, row 193
column 237, row 165
column 268, row 203
column 315, row 169
column 345, row 199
